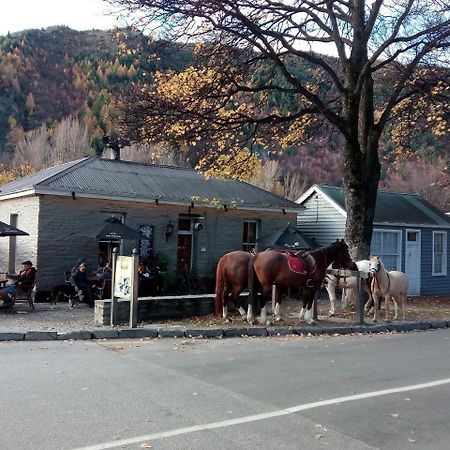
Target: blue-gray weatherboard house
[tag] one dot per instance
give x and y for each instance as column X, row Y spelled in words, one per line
column 187, row 221
column 410, row 234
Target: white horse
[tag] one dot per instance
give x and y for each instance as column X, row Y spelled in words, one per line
column 347, row 283
column 389, row 285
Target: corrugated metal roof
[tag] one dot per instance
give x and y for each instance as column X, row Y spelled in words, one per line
column 127, row 179
column 397, row 208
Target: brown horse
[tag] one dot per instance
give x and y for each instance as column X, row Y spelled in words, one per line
column 271, row 267
column 231, row 280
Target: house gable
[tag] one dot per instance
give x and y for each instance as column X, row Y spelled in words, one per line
column 397, row 216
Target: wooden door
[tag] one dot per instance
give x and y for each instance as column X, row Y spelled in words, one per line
column 184, row 252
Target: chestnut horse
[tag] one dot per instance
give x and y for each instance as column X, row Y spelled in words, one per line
column 271, row 267
column 231, row 280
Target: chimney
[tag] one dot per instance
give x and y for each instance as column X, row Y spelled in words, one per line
column 115, row 144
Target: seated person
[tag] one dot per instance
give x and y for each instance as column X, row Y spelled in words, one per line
column 80, row 282
column 24, row 281
column 106, row 272
column 145, row 279
column 143, row 270
column 75, row 267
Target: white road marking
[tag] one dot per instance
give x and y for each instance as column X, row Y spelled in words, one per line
column 262, row 416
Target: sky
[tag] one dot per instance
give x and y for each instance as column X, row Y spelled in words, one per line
column 18, row 15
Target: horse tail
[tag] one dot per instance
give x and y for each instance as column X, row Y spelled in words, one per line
column 253, row 287
column 220, row 288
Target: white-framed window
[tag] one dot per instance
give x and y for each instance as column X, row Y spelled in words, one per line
column 439, row 253
column 250, row 234
column 387, row 244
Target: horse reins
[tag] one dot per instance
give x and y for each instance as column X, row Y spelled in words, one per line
column 375, row 280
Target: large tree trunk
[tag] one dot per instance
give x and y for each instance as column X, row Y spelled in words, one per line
column 361, row 174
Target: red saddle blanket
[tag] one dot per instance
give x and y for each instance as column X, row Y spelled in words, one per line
column 302, row 264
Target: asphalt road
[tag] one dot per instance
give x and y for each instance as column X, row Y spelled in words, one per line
column 343, row 392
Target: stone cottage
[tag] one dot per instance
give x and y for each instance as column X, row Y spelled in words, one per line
column 185, row 221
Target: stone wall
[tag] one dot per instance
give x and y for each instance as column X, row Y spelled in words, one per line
column 159, row 308
column 62, row 229
column 27, row 210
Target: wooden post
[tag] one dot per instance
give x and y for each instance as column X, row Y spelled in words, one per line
column 113, row 320
column 359, row 301
column 274, row 295
column 134, row 295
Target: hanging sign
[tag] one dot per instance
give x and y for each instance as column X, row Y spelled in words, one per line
column 146, row 244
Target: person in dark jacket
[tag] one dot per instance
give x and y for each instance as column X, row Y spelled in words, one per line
column 24, row 281
column 80, row 282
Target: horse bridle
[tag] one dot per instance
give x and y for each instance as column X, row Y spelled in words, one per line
column 375, row 279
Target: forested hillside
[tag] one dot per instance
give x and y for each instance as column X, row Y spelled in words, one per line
column 47, row 75
column 55, row 90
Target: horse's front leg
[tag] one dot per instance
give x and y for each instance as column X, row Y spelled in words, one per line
column 402, row 298
column 394, row 301
column 307, row 311
column 277, row 309
column 376, row 302
column 263, row 320
column 225, row 312
column 387, row 299
column 331, row 289
column 277, row 312
column 237, row 304
column 250, row 316
column 368, row 307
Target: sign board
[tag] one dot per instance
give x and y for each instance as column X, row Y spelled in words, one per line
column 124, row 277
column 146, row 245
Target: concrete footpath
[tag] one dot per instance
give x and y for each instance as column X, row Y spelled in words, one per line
column 58, row 322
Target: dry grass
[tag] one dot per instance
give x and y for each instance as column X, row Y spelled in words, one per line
column 427, row 308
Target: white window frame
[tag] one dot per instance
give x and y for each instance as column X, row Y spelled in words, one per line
column 398, row 252
column 245, row 245
column 444, row 254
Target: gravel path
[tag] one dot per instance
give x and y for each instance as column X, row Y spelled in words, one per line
column 48, row 317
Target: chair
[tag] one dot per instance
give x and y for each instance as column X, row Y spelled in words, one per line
column 67, row 276
column 27, row 294
column 102, row 290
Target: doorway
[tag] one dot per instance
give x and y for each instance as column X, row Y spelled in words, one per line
column 413, row 261
column 184, row 245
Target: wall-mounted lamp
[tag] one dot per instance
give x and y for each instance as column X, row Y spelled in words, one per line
column 169, row 230
column 73, row 195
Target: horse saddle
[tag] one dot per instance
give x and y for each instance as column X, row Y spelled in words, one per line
column 302, row 263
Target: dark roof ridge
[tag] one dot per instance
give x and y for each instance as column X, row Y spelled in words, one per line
column 379, row 190
column 165, row 166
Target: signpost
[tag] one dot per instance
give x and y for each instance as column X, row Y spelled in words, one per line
column 125, row 284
